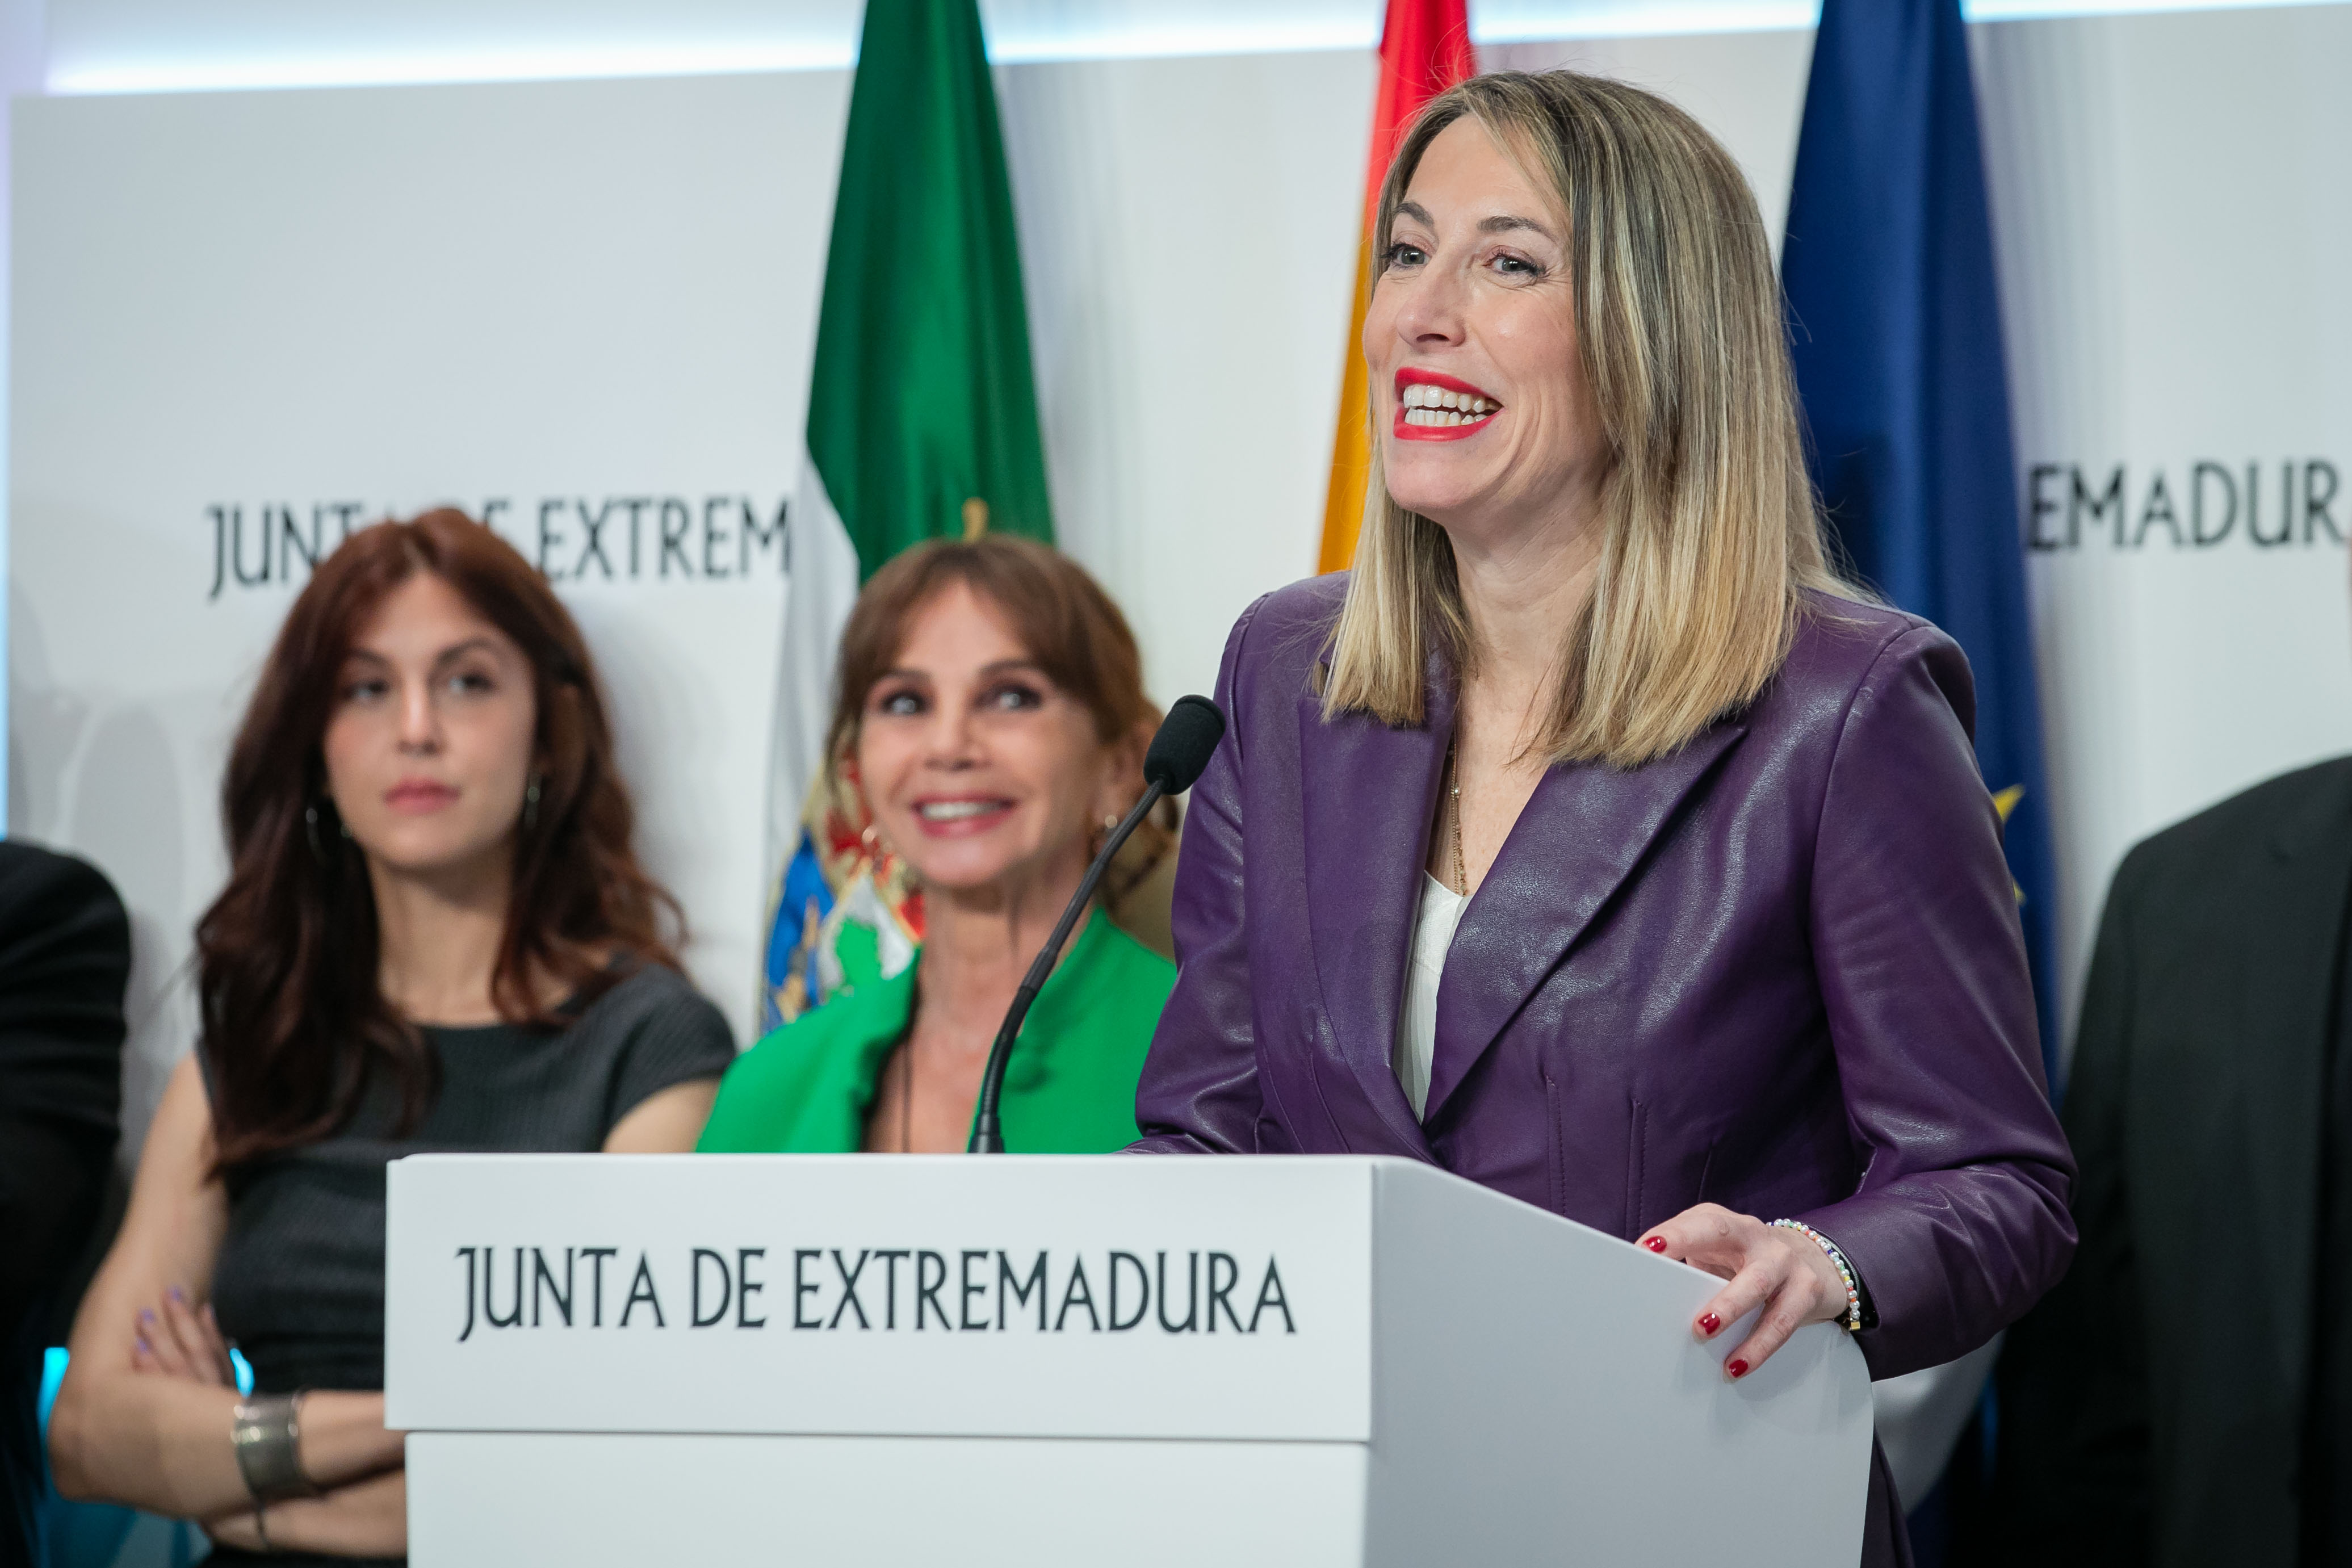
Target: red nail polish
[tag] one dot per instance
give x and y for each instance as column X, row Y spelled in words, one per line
column 1736, row 1367
column 1656, row 1244
column 1708, row 1323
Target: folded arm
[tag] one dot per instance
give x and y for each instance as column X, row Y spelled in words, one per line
column 144, row 1412
column 365, row 1518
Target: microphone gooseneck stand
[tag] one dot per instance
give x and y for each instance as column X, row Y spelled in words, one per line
column 1179, row 752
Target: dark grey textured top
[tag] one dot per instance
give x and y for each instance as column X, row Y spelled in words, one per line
column 299, row 1287
column 300, row 1283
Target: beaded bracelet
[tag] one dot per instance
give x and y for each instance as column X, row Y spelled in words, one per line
column 1853, row 1320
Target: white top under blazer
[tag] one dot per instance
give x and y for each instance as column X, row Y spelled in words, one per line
column 1432, row 935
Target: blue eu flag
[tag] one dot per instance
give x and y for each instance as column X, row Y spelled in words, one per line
column 1896, row 335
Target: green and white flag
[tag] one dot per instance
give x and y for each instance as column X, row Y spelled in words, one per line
column 922, row 417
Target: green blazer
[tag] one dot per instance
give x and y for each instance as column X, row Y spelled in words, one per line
column 1069, row 1089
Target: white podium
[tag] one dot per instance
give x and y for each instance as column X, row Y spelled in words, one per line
column 937, row 1361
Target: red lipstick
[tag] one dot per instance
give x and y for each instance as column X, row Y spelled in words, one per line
column 1434, row 407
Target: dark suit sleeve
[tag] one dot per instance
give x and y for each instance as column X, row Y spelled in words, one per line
column 1960, row 1223
column 65, row 957
column 1199, row 1092
column 2073, row 1474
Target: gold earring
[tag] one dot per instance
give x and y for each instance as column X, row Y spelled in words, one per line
column 881, row 857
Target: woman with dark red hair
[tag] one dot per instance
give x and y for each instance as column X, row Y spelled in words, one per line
column 435, row 935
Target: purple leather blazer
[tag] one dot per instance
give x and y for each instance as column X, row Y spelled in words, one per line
column 1780, row 969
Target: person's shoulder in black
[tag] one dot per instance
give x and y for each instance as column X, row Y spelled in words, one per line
column 65, row 958
column 2182, row 877
column 2153, row 1407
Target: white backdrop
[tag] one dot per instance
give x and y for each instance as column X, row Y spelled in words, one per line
column 566, row 291
column 593, row 291
column 2170, row 202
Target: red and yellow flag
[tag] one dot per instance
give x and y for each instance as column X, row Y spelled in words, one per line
column 1424, row 49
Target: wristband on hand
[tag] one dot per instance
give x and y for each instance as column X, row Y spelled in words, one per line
column 1852, row 1321
column 267, row 1434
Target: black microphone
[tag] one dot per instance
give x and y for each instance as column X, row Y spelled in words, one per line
column 1177, row 754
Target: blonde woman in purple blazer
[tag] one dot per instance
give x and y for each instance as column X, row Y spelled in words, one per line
column 1590, row 839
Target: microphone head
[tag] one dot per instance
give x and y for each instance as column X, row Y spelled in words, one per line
column 1183, row 747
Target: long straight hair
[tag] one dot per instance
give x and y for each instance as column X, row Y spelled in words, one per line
column 1710, row 530
column 295, row 1027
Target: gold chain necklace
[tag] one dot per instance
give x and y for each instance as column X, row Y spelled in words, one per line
column 1454, row 801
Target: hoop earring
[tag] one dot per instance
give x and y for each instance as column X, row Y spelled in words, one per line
column 530, row 805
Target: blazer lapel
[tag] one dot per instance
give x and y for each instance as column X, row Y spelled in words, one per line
column 1580, row 834
column 2298, row 926
column 1370, row 794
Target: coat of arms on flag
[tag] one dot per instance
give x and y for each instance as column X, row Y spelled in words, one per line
column 847, row 911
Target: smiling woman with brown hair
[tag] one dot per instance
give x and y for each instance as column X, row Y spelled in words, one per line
column 436, row 936
column 990, row 717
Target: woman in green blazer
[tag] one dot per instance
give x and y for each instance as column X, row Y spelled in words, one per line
column 989, row 725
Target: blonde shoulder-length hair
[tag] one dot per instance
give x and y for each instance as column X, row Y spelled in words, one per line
column 1709, row 527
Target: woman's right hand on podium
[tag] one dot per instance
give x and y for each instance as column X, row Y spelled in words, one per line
column 1790, row 1277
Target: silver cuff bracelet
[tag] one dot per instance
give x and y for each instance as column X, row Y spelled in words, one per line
column 266, row 1434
